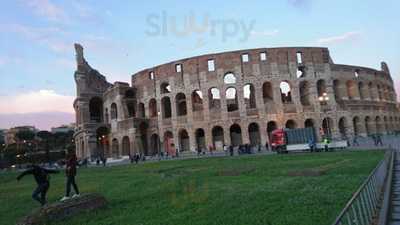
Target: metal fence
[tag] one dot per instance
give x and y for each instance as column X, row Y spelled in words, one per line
column 363, row 206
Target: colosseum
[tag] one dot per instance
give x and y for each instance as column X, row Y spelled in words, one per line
column 229, row 98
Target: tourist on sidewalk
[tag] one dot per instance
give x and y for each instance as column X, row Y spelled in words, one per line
column 42, row 179
column 70, row 172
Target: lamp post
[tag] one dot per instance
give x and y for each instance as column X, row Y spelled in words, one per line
column 323, row 99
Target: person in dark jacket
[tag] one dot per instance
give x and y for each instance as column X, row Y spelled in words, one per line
column 42, row 179
column 70, row 172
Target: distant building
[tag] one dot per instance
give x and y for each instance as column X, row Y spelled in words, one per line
column 10, row 136
column 63, row 128
column 2, row 133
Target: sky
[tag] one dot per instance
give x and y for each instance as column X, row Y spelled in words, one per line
column 37, row 58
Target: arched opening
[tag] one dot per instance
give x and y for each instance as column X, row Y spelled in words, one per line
column 200, row 139
column 114, row 111
column 165, row 88
column 130, row 93
column 184, row 141
column 351, row 89
column 197, row 100
column 180, row 101
column 268, row 94
column 286, row 92
column 169, row 145
column 378, row 87
column 327, row 124
column 343, row 127
column 337, row 90
column 142, row 138
column 236, row 135
column 166, row 107
column 115, row 148
column 291, row 124
column 106, row 116
column 218, row 137
column 102, row 143
column 131, row 109
column 249, row 96
column 96, row 109
column 153, row 108
column 356, row 126
column 154, row 145
column 231, row 99
column 229, row 78
column 309, row 123
column 271, row 126
column 254, row 134
column 142, row 113
column 214, row 98
column 321, row 88
column 304, row 89
column 126, row 146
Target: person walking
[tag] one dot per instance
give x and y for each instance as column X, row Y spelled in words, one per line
column 42, row 179
column 70, row 172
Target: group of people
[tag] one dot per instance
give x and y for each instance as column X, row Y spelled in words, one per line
column 42, row 178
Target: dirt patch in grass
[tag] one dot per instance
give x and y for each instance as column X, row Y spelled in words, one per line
column 317, row 171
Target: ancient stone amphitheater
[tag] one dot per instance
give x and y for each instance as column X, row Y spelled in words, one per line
column 230, row 98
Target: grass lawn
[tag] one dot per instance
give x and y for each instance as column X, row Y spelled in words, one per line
column 297, row 189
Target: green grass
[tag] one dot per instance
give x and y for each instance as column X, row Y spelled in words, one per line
column 238, row 190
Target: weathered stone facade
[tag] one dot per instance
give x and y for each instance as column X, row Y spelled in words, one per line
column 230, row 98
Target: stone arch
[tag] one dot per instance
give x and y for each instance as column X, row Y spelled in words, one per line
column 291, row 124
column 217, row 133
column 184, row 144
column 342, row 125
column 200, row 139
column 142, row 112
column 327, row 126
column 96, row 109
column 130, row 93
column 197, row 100
column 351, row 89
column 153, row 108
column 337, row 90
column 235, row 135
column 131, row 109
column 310, row 123
column 180, row 102
column 165, row 88
column 154, row 144
column 254, row 134
column 268, row 92
column 114, row 111
column 229, row 78
column 271, row 126
column 166, row 107
column 106, row 116
column 126, row 146
column 304, row 89
column 115, row 148
column 214, row 98
column 102, row 143
column 169, row 145
column 249, row 94
column 321, row 88
column 231, row 99
column 286, row 92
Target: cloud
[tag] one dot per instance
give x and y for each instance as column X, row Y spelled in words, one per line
column 47, row 9
column 302, row 4
column 349, row 36
column 39, row 101
column 264, row 33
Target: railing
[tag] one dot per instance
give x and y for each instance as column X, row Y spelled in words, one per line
column 363, row 206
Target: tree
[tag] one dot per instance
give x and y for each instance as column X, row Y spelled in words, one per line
column 45, row 137
column 25, row 135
